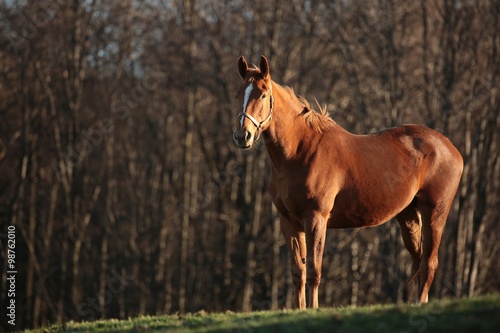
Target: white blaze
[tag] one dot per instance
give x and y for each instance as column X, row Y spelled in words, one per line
column 248, row 91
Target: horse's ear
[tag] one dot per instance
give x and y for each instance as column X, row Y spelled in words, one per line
column 264, row 67
column 242, row 66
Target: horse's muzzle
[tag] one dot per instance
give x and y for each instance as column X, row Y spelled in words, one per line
column 243, row 139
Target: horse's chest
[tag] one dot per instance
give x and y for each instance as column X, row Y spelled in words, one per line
column 295, row 195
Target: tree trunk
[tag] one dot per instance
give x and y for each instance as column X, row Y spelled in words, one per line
column 276, row 268
column 253, row 231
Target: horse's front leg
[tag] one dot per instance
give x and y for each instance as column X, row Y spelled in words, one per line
column 295, row 240
column 315, row 231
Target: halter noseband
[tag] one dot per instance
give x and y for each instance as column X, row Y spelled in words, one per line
column 255, row 122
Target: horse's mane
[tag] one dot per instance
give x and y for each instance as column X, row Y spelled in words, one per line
column 318, row 121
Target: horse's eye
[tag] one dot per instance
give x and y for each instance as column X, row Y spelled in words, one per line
column 263, row 96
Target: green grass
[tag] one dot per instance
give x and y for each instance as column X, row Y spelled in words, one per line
column 481, row 314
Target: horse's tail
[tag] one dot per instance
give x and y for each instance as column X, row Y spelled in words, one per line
column 413, row 277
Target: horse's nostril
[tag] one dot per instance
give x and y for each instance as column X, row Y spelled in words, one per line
column 247, row 135
column 236, row 137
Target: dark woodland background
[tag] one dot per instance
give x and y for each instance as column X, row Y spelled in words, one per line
column 118, row 171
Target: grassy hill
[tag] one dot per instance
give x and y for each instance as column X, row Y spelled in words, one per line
column 481, row 314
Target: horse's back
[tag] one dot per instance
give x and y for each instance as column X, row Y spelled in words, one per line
column 426, row 143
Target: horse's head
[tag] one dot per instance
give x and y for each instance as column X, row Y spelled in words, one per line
column 255, row 99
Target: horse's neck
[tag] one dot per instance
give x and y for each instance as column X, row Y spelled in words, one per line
column 287, row 131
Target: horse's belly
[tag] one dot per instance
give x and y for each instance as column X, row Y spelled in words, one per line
column 341, row 221
column 352, row 215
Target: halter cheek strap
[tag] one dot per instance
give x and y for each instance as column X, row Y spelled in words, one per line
column 257, row 123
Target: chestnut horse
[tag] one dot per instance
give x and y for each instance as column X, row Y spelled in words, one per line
column 325, row 177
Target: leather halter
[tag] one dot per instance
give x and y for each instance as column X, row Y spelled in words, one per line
column 257, row 123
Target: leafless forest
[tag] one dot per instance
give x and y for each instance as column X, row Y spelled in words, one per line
column 118, row 171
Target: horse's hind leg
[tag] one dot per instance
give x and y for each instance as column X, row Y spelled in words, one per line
column 434, row 214
column 411, row 232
